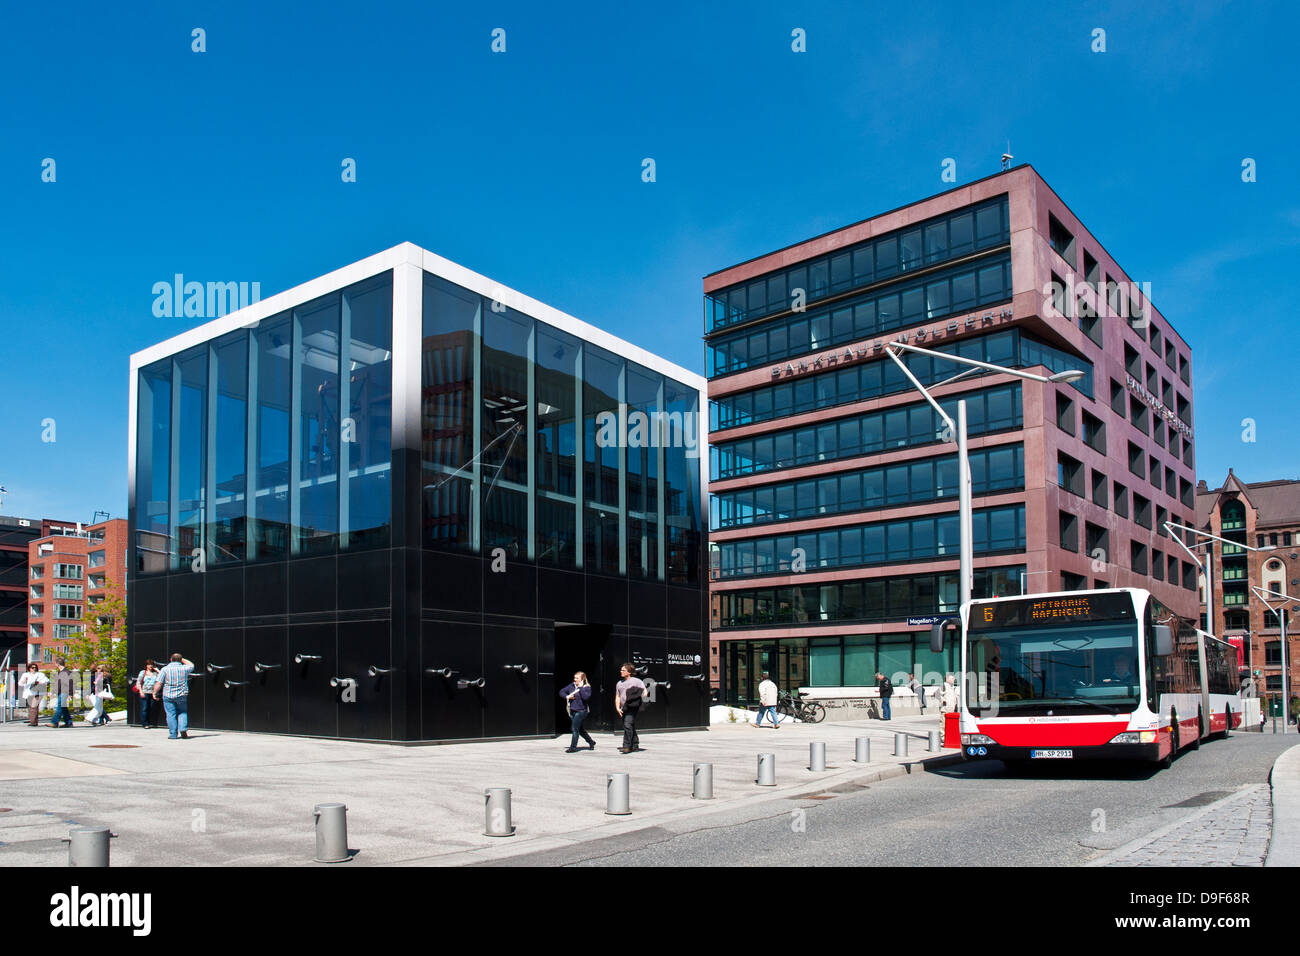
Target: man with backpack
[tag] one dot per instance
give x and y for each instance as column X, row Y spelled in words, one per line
column 886, row 692
column 629, row 696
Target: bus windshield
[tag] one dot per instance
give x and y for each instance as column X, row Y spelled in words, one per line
column 1066, row 670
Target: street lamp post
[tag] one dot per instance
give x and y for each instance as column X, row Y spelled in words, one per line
column 1208, row 565
column 958, row 430
column 1280, row 611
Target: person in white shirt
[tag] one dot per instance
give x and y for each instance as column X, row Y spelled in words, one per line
column 32, row 684
column 767, row 701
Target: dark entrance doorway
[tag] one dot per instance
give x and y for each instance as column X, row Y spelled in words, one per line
column 581, row 647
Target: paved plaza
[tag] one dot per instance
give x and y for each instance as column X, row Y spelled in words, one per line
column 223, row 798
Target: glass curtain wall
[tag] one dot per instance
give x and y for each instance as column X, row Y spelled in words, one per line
column 504, row 416
column 366, row 446
column 226, row 452
column 314, row 508
column 251, row 468
column 152, row 466
column 189, row 450
column 268, row 513
column 644, row 453
column 602, row 394
column 556, row 443
column 449, row 410
column 557, row 450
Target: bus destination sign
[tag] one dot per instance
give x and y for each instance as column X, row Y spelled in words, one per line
column 1082, row 608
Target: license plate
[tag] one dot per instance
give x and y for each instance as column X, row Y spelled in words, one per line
column 1051, row 754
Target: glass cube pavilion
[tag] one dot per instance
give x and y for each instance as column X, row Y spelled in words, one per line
column 403, row 502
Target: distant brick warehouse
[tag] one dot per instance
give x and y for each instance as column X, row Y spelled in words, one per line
column 833, row 492
column 1262, row 514
column 392, row 503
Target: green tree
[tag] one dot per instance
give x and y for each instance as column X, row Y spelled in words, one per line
column 103, row 640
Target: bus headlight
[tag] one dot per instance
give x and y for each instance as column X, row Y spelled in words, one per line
column 1135, row 737
column 976, row 739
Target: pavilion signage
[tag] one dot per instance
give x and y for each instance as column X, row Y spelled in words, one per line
column 848, row 354
column 1159, row 407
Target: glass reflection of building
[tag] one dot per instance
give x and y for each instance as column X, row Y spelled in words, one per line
column 401, row 475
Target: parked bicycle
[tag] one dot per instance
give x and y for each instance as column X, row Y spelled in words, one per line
column 808, row 711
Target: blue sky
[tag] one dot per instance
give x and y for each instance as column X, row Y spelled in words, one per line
column 526, row 166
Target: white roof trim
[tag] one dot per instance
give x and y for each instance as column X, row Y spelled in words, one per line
column 431, row 262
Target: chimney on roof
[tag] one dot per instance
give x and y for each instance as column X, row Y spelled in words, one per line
column 1202, row 486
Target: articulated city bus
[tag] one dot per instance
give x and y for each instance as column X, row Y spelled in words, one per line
column 1091, row 675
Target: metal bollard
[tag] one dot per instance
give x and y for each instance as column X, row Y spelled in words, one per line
column 816, row 756
column 617, row 788
column 331, row 833
column 766, row 770
column 703, row 789
column 862, row 750
column 496, row 812
column 900, row 745
column 88, row 846
column 934, row 742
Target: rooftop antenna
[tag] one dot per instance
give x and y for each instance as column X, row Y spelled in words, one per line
column 3, row 491
column 1007, row 157
column 94, row 519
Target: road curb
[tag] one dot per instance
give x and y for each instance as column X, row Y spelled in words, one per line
column 1284, row 841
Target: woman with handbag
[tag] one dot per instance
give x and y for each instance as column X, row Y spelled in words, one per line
column 103, row 692
column 31, row 684
column 576, row 696
column 144, row 685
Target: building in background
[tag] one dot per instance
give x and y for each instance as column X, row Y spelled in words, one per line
column 71, row 571
column 833, row 491
column 1263, row 514
column 20, row 637
column 404, row 502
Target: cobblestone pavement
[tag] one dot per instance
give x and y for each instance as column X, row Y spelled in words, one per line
column 1230, row 832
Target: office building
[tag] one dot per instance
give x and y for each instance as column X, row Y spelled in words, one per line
column 404, row 502
column 833, row 487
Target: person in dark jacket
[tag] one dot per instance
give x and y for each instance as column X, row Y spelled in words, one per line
column 886, row 692
column 578, row 696
column 64, row 686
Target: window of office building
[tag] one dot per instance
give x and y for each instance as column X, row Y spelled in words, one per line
column 1060, row 239
column 904, row 426
column 937, row 240
column 999, row 468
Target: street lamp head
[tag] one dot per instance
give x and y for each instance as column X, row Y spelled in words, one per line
column 1069, row 375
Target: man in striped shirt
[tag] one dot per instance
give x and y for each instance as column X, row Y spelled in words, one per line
column 173, row 687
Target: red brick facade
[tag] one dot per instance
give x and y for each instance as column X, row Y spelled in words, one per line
column 69, row 574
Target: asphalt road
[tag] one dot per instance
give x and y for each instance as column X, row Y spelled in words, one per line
column 969, row 814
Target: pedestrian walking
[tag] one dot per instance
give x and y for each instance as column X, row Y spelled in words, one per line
column 948, row 701
column 767, row 692
column 32, row 684
column 886, row 691
column 64, row 686
column 144, row 685
column 173, row 689
column 629, row 695
column 917, row 688
column 577, row 697
column 102, row 693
